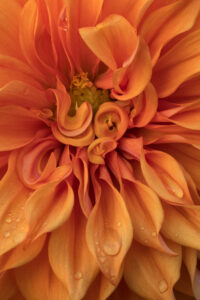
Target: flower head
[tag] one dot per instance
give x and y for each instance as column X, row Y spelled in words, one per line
column 99, row 149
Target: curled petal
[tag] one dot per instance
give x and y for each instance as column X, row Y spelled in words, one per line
column 158, row 272
column 176, row 66
column 99, row 148
column 18, row 127
column 110, row 40
column 131, row 147
column 130, row 80
column 145, row 107
column 179, row 16
column 74, row 130
column 43, row 213
column 164, row 175
column 37, row 163
column 111, row 120
column 109, row 231
column 68, row 259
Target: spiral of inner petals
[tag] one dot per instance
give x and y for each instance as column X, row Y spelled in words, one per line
column 99, row 148
column 111, row 120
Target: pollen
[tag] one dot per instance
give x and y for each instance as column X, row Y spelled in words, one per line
column 83, row 90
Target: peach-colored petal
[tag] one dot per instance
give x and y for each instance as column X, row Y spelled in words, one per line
column 179, row 17
column 21, row 254
column 111, row 120
column 109, row 231
column 145, row 107
column 131, row 146
column 176, row 66
column 71, row 261
column 36, row 280
column 190, row 261
column 130, row 80
column 14, row 226
column 164, row 175
column 43, row 213
column 110, row 40
column 99, row 148
column 181, row 225
column 18, row 127
column 38, row 163
column 152, row 274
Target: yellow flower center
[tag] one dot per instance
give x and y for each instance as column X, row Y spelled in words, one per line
column 83, row 90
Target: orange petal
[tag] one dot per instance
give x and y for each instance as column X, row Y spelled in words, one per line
column 35, row 40
column 131, row 10
column 99, row 148
column 22, row 94
column 129, row 81
column 164, row 175
column 68, row 259
column 18, row 127
column 155, row 271
column 8, row 287
column 36, row 280
column 111, row 120
column 190, row 261
column 147, row 219
column 109, row 231
column 110, row 40
column 9, row 28
column 145, row 107
column 21, row 254
column 14, row 226
column 13, row 69
column 38, row 163
column 81, row 171
column 176, row 66
column 182, row 225
column 43, row 213
column 179, row 17
column 83, row 58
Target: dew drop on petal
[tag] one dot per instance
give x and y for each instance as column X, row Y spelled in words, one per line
column 111, row 242
column 163, row 287
column 7, row 234
column 142, row 228
column 102, row 259
column 119, row 224
column 78, row 275
column 8, row 220
column 154, row 234
column 18, row 220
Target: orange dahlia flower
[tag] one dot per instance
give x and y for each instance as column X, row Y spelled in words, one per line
column 99, row 149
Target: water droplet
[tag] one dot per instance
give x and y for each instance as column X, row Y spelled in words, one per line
column 18, row 220
column 146, row 241
column 8, row 220
column 119, row 224
column 111, row 243
column 154, row 234
column 163, row 286
column 7, row 234
column 78, row 275
column 142, row 228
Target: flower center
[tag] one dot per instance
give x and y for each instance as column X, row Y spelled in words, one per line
column 83, row 90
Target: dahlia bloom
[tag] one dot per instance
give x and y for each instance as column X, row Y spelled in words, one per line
column 99, row 149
